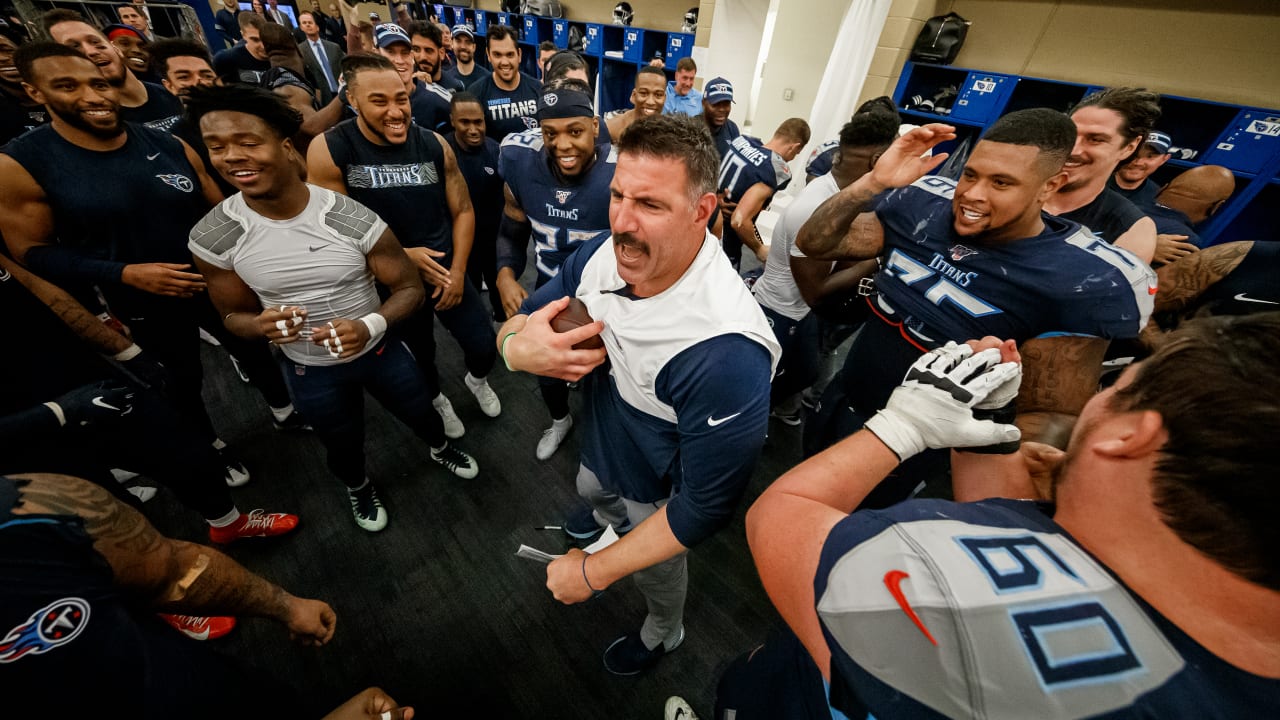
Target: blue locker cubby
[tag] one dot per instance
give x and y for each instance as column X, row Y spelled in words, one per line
column 679, row 45
column 594, row 38
column 481, row 20
column 560, row 33
column 440, row 11
column 611, row 41
column 531, row 29
column 982, row 96
column 1248, row 142
column 509, row 20
column 633, row 44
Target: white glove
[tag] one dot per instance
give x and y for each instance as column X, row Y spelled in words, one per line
column 932, row 408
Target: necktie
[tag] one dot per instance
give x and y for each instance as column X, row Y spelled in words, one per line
column 324, row 65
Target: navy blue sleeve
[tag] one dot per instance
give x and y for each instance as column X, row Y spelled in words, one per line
column 566, row 281
column 720, row 391
column 59, row 264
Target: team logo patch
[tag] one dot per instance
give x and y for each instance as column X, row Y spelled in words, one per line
column 550, row 99
column 180, row 182
column 562, row 196
column 960, row 252
column 529, row 122
column 489, row 170
column 57, row 623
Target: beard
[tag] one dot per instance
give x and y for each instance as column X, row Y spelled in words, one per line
column 75, row 120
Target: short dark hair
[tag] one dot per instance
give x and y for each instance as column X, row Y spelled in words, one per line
column 558, row 65
column 25, row 57
column 873, row 129
column 430, row 31
column 795, row 130
column 307, row 12
column 1049, row 130
column 502, row 32
column 546, row 45
column 676, row 137
column 57, row 16
column 256, row 101
column 564, row 83
column 247, row 19
column 164, row 50
column 353, row 65
column 651, row 70
column 1138, row 107
column 686, row 63
column 884, row 103
column 462, row 97
column 1214, row 384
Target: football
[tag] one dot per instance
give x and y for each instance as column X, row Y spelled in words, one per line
column 575, row 316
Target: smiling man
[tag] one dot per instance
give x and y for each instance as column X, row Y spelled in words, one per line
column 510, row 97
column 477, row 155
column 971, row 258
column 139, row 101
column 646, row 100
column 246, row 61
column 681, row 97
column 133, row 48
column 464, row 71
column 717, row 102
column 676, row 405
column 558, row 192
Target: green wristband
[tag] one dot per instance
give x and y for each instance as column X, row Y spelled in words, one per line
column 502, row 350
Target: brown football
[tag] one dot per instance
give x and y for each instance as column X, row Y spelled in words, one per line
column 575, row 316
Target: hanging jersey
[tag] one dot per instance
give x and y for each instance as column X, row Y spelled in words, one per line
column 403, row 184
column 161, row 111
column 144, row 201
column 429, row 104
column 564, row 213
column 1063, row 281
column 937, row 609
column 317, row 260
column 507, row 111
column 746, row 164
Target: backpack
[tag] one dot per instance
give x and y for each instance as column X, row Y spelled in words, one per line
column 940, row 39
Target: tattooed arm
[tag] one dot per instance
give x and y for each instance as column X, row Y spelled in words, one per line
column 1059, row 375
column 831, row 233
column 82, row 322
column 171, row 575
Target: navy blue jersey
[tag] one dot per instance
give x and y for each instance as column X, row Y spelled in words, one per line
column 564, row 213
column 18, row 116
column 1107, row 216
column 936, row 609
column 746, row 164
column 682, row 404
column 1143, row 196
column 161, row 111
column 450, row 77
column 822, row 158
column 507, row 111
column 725, row 135
column 1173, row 222
column 1253, row 286
column 429, row 104
column 403, row 184
column 484, row 184
column 1063, row 281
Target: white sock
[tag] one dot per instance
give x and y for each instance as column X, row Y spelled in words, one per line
column 218, row 444
column 473, row 381
column 563, row 422
column 226, row 520
column 282, row 413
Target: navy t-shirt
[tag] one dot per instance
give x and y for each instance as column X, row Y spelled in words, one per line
column 429, row 104
column 1143, row 196
column 484, row 183
column 1253, row 286
column 1173, row 222
column 507, row 111
column 17, row 117
column 237, row 65
column 462, row 82
column 1108, row 216
column 161, row 111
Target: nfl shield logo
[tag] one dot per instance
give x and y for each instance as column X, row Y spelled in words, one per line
column 960, row 252
column 563, row 195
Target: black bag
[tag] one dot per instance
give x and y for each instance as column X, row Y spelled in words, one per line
column 940, row 39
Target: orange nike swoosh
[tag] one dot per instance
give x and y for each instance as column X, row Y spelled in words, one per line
column 893, row 580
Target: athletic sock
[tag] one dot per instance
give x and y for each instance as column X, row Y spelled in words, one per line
column 225, row 520
column 282, row 413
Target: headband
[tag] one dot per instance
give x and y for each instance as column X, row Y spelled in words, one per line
column 564, row 103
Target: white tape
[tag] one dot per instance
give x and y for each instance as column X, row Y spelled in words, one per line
column 282, row 325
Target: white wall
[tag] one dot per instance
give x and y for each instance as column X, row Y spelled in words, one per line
column 803, row 36
column 736, row 33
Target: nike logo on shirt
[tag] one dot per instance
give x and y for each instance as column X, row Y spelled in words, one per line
column 153, row 157
column 102, row 404
column 893, row 580
column 713, row 422
column 1244, row 298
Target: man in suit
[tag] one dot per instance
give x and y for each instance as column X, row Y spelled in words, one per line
column 276, row 15
column 322, row 57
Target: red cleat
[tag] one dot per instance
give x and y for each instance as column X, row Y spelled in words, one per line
column 258, row 523
column 197, row 627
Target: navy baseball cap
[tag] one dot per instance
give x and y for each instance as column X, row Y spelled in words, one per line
column 463, row 29
column 1159, row 142
column 717, row 90
column 388, row 34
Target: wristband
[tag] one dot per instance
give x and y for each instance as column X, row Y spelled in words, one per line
column 128, row 353
column 62, row 421
column 377, row 326
column 584, row 575
column 502, row 350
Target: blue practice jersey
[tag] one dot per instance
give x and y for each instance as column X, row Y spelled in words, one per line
column 821, row 159
column 745, row 164
column 937, row 609
column 1064, row 281
column 429, row 104
column 564, row 214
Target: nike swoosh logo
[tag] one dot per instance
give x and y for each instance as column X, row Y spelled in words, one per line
column 713, row 422
column 99, row 402
column 153, row 157
column 1243, row 298
column 313, row 248
column 202, row 635
column 893, row 580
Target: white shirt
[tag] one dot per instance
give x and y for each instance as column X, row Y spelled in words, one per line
column 316, row 260
column 776, row 289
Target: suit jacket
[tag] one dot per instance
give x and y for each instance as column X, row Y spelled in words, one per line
column 335, row 55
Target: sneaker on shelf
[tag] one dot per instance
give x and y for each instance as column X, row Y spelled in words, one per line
column 488, row 399
column 583, row 525
column 142, row 492
column 366, row 508
column 678, row 709
column 293, row 422
column 456, row 461
column 453, row 427
column 553, row 436
column 256, row 524
column 628, row 656
column 792, row 419
column 244, row 376
column 209, row 338
column 233, row 471
column 199, row 627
